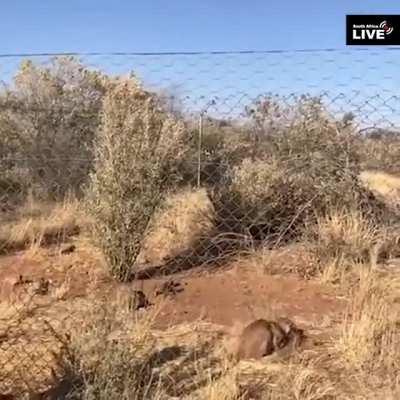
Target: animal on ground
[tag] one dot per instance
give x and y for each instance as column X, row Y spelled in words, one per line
column 286, row 324
column 295, row 338
column 262, row 338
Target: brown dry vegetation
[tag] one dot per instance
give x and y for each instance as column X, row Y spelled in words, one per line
column 39, row 224
column 111, row 355
column 184, row 219
column 308, row 234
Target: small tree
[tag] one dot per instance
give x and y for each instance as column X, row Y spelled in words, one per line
column 138, row 146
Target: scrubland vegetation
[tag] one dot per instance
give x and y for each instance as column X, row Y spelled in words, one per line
column 100, row 159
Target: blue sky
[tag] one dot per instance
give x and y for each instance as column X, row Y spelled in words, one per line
column 209, row 25
column 177, row 25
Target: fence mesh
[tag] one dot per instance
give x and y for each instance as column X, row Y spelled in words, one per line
column 253, row 120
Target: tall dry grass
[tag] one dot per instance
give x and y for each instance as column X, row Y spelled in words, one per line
column 183, row 219
column 370, row 335
column 381, row 182
column 344, row 241
column 101, row 365
column 344, row 235
column 38, row 223
column 386, row 186
column 370, row 330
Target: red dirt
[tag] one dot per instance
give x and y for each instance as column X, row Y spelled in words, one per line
column 227, row 297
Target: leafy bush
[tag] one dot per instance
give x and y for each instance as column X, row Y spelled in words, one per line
column 137, row 154
column 48, row 118
column 12, row 190
column 302, row 169
column 221, row 147
column 251, row 202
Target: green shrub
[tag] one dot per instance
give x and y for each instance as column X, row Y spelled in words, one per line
column 138, row 151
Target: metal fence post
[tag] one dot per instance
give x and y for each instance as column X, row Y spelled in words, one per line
column 200, row 138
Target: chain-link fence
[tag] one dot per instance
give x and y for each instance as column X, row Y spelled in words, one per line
column 261, row 129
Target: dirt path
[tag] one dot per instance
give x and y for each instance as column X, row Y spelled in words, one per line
column 232, row 297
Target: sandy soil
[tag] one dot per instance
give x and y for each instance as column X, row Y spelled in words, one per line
column 230, row 298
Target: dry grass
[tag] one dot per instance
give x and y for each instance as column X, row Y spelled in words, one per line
column 27, row 346
column 296, row 258
column 105, row 366
column 370, row 332
column 224, row 388
column 39, row 224
column 186, row 218
column 381, row 182
column 344, row 235
column 303, row 380
column 115, row 355
column 346, row 241
column 364, row 353
column 385, row 186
